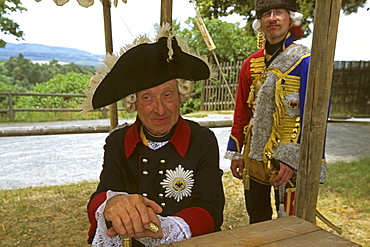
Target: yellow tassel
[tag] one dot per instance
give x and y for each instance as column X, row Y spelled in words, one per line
column 246, row 150
column 246, row 182
column 250, row 100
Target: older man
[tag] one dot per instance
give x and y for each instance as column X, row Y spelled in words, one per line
column 269, row 109
column 162, row 169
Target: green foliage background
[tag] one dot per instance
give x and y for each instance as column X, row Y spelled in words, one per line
column 8, row 26
column 219, row 8
column 70, row 83
column 223, row 35
column 233, row 41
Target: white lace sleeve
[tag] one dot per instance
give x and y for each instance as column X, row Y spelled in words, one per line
column 174, row 229
column 101, row 239
column 233, row 155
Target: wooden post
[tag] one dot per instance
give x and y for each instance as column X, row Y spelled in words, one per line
column 113, row 115
column 166, row 12
column 316, row 107
column 11, row 107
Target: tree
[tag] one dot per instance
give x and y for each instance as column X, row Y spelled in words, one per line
column 3, row 75
column 218, row 8
column 223, row 34
column 20, row 69
column 70, row 83
column 25, row 74
column 8, row 26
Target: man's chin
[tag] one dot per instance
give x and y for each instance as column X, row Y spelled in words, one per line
column 162, row 130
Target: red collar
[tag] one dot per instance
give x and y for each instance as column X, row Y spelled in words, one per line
column 180, row 139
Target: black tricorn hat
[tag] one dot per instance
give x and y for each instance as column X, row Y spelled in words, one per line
column 145, row 66
column 262, row 6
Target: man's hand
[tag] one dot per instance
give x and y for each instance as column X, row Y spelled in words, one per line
column 237, row 168
column 284, row 174
column 131, row 215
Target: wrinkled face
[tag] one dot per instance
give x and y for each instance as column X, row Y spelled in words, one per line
column 276, row 25
column 159, row 107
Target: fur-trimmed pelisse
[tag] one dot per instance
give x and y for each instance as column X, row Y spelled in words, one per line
column 144, row 65
column 262, row 6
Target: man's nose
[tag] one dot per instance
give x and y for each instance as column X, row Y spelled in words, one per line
column 159, row 107
column 272, row 16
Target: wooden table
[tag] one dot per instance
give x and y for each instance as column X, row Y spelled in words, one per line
column 289, row 231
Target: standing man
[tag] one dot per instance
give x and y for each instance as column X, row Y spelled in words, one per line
column 269, row 109
column 162, row 169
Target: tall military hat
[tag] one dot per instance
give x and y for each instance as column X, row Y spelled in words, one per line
column 262, row 6
column 142, row 65
column 145, row 66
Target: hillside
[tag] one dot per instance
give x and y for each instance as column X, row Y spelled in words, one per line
column 37, row 52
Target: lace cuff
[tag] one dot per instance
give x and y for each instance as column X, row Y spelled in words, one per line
column 174, row 229
column 233, row 155
column 101, row 239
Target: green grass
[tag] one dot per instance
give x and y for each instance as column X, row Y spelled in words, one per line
column 56, row 215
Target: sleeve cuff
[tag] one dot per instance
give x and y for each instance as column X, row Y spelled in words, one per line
column 91, row 209
column 198, row 219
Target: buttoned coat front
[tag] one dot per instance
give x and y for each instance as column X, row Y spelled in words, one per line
column 181, row 176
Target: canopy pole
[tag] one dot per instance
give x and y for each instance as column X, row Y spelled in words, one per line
column 113, row 114
column 166, row 12
column 316, row 107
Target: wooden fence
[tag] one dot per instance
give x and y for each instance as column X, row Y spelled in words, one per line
column 12, row 109
column 215, row 93
column 350, row 88
column 349, row 92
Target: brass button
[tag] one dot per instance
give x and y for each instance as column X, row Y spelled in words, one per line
column 145, row 161
column 145, row 172
column 163, row 204
column 145, row 194
column 160, row 172
column 163, row 162
column 160, row 195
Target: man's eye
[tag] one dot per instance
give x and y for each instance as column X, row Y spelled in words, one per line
column 147, row 97
column 266, row 14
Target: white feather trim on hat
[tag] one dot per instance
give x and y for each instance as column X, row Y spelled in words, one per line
column 110, row 60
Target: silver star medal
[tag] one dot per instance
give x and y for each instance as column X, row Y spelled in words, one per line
column 178, row 183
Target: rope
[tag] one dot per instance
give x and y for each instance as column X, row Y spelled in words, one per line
column 128, row 29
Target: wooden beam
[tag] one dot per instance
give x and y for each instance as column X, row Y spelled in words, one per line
column 316, row 107
column 166, row 12
column 113, row 113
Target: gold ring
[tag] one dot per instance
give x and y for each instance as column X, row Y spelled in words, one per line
column 153, row 228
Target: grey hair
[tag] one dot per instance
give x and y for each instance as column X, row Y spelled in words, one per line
column 296, row 18
column 185, row 88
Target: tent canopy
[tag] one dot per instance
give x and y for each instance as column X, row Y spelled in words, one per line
column 83, row 3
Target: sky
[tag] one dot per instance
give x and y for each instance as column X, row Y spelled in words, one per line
column 82, row 28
